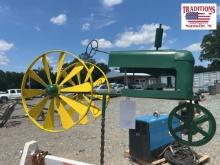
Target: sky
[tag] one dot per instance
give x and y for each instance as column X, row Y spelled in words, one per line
column 29, row 28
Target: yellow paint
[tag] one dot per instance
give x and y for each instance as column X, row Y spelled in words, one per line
column 65, row 106
column 99, row 82
column 38, row 109
column 85, row 87
column 78, row 78
column 28, row 93
column 46, row 68
column 66, row 119
column 89, row 73
column 33, row 75
column 60, row 65
column 96, row 111
column 72, row 73
column 80, row 108
column 49, row 121
column 64, row 74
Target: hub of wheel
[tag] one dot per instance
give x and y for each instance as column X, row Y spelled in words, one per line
column 52, row 90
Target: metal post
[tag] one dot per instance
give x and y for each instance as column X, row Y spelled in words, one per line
column 103, row 130
column 158, row 37
column 125, row 78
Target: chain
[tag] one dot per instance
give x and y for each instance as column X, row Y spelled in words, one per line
column 38, row 158
column 103, row 131
column 102, row 141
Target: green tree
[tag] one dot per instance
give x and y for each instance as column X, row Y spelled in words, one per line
column 42, row 74
column 3, row 81
column 85, row 58
column 9, row 80
column 211, row 48
column 199, row 69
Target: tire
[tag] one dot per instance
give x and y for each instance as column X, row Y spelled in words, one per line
column 4, row 99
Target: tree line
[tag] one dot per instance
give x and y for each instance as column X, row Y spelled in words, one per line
column 210, row 52
column 41, row 73
column 13, row 80
column 209, row 68
column 10, row 80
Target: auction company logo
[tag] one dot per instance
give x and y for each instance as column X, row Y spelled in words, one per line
column 198, row 16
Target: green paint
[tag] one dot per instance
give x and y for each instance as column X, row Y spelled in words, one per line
column 52, row 90
column 179, row 63
column 190, row 124
column 159, row 94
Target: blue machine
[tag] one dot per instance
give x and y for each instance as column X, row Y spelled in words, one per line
column 150, row 136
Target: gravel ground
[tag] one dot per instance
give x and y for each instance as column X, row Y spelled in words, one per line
column 83, row 142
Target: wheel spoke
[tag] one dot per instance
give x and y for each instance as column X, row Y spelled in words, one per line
column 49, row 121
column 33, row 75
column 64, row 74
column 100, row 97
column 84, row 120
column 190, row 136
column 78, row 78
column 89, row 73
column 96, row 96
column 46, row 68
column 85, row 87
column 178, row 116
column 191, row 124
column 60, row 65
column 37, row 109
column 202, row 119
column 28, row 93
column 73, row 72
column 69, row 110
column 80, row 108
column 66, row 119
column 201, row 131
column 179, row 128
column 96, row 112
column 99, row 82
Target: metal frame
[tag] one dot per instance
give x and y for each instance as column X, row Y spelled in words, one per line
column 31, row 147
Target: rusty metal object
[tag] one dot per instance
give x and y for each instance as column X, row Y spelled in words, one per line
column 6, row 111
column 38, row 158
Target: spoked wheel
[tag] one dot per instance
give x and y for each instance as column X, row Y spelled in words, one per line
column 194, row 130
column 60, row 110
column 99, row 78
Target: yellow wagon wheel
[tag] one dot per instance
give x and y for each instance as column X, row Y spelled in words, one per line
column 86, row 98
column 55, row 92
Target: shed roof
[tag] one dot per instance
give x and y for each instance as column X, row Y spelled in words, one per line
column 115, row 74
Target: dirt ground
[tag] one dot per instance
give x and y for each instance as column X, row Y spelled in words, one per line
column 83, row 142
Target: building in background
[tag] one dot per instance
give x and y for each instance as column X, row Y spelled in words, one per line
column 141, row 79
column 138, row 80
column 206, row 79
column 201, row 80
column 168, row 81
